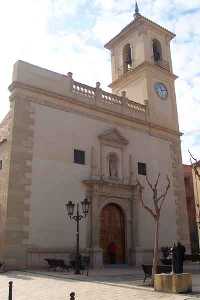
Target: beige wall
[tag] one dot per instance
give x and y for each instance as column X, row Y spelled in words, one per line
column 4, row 173
column 135, row 90
column 196, row 182
column 48, row 124
column 56, row 179
column 139, row 86
column 3, row 193
column 162, row 111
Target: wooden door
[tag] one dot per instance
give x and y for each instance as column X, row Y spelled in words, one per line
column 112, row 232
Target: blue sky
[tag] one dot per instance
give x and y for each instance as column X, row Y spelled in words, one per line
column 68, row 35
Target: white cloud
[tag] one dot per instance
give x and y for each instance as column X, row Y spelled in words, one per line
column 23, row 31
column 64, row 7
column 25, row 34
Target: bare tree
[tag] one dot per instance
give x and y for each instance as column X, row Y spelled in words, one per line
column 155, row 212
column 195, row 165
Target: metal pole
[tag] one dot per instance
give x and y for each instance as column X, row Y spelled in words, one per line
column 72, row 296
column 10, row 290
column 77, row 271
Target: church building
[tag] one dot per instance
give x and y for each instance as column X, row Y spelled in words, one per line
column 63, row 140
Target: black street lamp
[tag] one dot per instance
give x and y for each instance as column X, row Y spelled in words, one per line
column 70, row 210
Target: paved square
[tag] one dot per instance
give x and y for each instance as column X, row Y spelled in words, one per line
column 98, row 286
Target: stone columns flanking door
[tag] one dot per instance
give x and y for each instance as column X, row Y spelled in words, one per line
column 102, row 193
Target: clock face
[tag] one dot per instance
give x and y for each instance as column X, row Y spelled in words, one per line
column 161, row 90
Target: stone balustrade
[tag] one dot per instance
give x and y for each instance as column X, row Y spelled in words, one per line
column 26, row 75
column 162, row 63
column 96, row 96
column 83, row 90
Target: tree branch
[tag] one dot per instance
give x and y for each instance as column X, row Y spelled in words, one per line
column 192, row 156
column 142, row 201
column 149, row 210
column 149, row 183
column 155, row 214
column 155, row 186
column 195, row 165
column 139, row 184
column 163, row 196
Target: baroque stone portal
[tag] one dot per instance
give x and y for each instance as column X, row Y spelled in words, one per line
column 115, row 205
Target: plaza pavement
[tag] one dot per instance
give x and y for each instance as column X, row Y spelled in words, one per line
column 105, row 284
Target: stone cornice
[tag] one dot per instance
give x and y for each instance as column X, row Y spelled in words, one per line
column 113, row 135
column 17, row 89
column 140, row 68
column 138, row 22
column 109, row 183
column 49, row 250
column 110, row 189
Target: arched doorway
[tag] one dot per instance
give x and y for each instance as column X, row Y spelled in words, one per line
column 112, row 234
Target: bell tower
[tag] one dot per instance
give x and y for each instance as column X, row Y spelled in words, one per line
column 141, row 66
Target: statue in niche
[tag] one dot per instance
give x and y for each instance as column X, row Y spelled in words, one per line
column 113, row 165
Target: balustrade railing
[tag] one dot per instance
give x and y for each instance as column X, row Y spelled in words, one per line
column 109, row 98
column 133, row 106
column 96, row 96
column 161, row 63
column 83, row 89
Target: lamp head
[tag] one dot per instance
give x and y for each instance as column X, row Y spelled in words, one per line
column 85, row 206
column 70, row 208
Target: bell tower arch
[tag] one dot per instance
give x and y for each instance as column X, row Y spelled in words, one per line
column 141, row 66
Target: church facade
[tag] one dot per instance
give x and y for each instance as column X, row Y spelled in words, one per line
column 63, row 140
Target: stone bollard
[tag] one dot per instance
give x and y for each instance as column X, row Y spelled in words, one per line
column 10, row 290
column 72, row 296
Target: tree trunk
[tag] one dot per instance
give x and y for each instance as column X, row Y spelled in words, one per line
column 155, row 252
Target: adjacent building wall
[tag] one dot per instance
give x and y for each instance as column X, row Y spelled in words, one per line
column 4, row 176
column 191, row 208
column 56, row 179
column 196, row 182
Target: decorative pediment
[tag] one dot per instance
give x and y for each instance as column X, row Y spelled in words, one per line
column 113, row 136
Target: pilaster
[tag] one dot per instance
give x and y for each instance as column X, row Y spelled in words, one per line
column 19, row 186
column 179, row 195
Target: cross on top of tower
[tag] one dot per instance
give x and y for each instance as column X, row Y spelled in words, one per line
column 137, row 13
column 136, row 8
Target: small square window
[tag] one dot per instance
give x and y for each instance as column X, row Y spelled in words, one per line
column 1, row 164
column 79, row 157
column 142, row 169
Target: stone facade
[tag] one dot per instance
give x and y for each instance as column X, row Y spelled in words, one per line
column 4, row 176
column 196, row 182
column 52, row 115
column 191, row 208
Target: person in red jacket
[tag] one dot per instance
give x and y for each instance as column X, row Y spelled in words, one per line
column 112, row 251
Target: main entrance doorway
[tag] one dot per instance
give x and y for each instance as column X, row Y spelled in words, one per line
column 112, row 234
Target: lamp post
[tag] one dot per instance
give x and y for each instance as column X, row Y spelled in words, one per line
column 77, row 218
